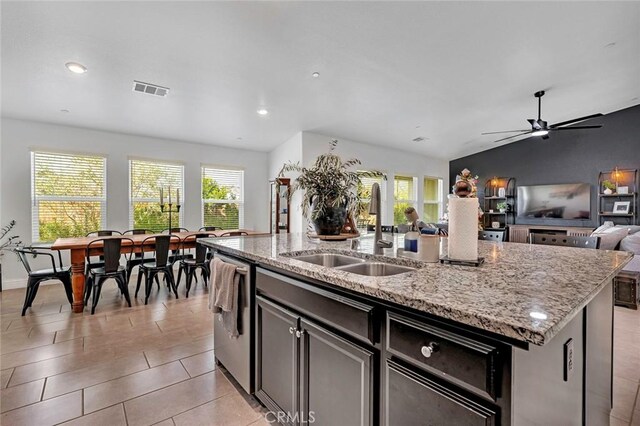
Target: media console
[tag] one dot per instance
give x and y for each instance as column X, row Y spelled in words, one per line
column 520, row 233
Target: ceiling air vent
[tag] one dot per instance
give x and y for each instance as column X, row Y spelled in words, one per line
column 150, row 89
column 418, row 139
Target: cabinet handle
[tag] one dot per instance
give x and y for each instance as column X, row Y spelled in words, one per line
column 292, row 330
column 299, row 333
column 430, row 349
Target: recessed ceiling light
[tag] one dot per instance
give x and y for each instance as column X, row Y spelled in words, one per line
column 76, row 67
column 262, row 111
column 610, row 44
column 64, row 110
column 540, row 133
column 315, row 74
column 238, row 139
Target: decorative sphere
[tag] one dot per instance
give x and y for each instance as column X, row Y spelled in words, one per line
column 462, row 189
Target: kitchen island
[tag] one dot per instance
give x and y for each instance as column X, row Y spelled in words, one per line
column 526, row 338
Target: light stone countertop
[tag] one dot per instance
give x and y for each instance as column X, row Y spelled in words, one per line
column 522, row 291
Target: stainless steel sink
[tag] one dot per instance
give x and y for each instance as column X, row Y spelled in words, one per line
column 376, row 269
column 330, row 260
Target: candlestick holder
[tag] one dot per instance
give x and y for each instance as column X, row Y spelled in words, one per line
column 170, row 208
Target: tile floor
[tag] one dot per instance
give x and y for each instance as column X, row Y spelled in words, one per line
column 154, row 364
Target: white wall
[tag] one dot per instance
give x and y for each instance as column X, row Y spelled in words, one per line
column 289, row 151
column 390, row 161
column 19, row 137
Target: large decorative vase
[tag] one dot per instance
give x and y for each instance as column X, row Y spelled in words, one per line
column 332, row 222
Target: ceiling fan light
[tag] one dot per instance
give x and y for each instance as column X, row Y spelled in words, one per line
column 540, row 133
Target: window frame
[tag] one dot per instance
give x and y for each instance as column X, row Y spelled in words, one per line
column 37, row 199
column 383, row 194
column 413, row 202
column 439, row 197
column 156, row 199
column 240, row 202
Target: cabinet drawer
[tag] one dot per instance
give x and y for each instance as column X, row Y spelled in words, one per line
column 344, row 314
column 464, row 361
column 414, row 399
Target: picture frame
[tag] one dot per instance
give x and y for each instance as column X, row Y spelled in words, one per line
column 623, row 190
column 621, row 207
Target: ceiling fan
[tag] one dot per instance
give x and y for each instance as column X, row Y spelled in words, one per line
column 539, row 127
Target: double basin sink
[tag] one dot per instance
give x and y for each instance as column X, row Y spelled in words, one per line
column 355, row 265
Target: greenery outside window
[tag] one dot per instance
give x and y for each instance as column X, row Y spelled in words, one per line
column 432, row 208
column 146, row 177
column 404, row 194
column 222, row 197
column 68, row 195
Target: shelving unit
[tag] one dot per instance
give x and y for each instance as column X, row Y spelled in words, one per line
column 491, row 200
column 622, row 178
column 280, row 209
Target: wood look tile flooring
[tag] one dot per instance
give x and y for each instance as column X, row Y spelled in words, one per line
column 122, row 366
column 154, row 364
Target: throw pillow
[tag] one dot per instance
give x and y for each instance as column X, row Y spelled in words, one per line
column 631, row 244
column 610, row 237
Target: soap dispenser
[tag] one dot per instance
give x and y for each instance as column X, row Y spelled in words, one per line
column 411, row 239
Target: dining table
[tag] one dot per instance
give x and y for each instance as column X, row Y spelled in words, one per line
column 77, row 246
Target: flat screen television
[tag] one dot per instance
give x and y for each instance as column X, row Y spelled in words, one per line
column 564, row 201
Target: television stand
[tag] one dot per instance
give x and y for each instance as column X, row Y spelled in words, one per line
column 520, row 233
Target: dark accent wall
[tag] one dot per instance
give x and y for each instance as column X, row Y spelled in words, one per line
column 566, row 157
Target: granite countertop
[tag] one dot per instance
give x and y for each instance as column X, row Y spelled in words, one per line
column 524, row 292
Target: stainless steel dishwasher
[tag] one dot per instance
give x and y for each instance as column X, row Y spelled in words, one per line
column 236, row 354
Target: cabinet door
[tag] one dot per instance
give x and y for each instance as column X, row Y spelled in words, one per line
column 414, row 399
column 277, row 347
column 336, row 379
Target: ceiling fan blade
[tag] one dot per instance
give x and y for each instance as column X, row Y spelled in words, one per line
column 545, row 137
column 514, row 136
column 505, row 131
column 575, row 120
column 577, row 127
column 534, row 123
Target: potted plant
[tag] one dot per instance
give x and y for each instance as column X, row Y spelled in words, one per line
column 609, row 187
column 502, row 206
column 330, row 189
column 7, row 243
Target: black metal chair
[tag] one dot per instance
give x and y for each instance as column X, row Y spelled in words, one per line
column 565, row 240
column 174, row 230
column 211, row 228
column 162, row 263
column 137, row 232
column 491, row 235
column 111, row 248
column 138, row 257
column 62, row 273
column 92, row 263
column 234, row 234
column 191, row 265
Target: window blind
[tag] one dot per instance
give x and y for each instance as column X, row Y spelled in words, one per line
column 404, row 192
column 146, row 177
column 68, row 195
column 364, row 190
column 222, row 197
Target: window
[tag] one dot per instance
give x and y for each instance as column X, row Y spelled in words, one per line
column 364, row 190
column 222, row 197
column 68, row 195
column 146, row 177
column 404, row 194
column 432, row 209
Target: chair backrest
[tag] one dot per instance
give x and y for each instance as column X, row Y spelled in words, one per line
column 234, row 234
column 211, row 228
column 137, row 231
column 565, row 240
column 201, row 251
column 22, row 256
column 111, row 249
column 103, row 233
column 174, row 230
column 161, row 244
column 491, row 235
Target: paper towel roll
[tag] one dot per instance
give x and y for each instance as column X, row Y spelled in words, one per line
column 463, row 228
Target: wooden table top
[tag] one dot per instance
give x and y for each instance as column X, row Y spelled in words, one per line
column 82, row 242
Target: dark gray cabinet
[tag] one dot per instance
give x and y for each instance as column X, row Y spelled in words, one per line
column 336, row 378
column 415, row 399
column 308, row 375
column 277, row 379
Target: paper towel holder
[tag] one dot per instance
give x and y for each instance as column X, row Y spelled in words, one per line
column 478, row 262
